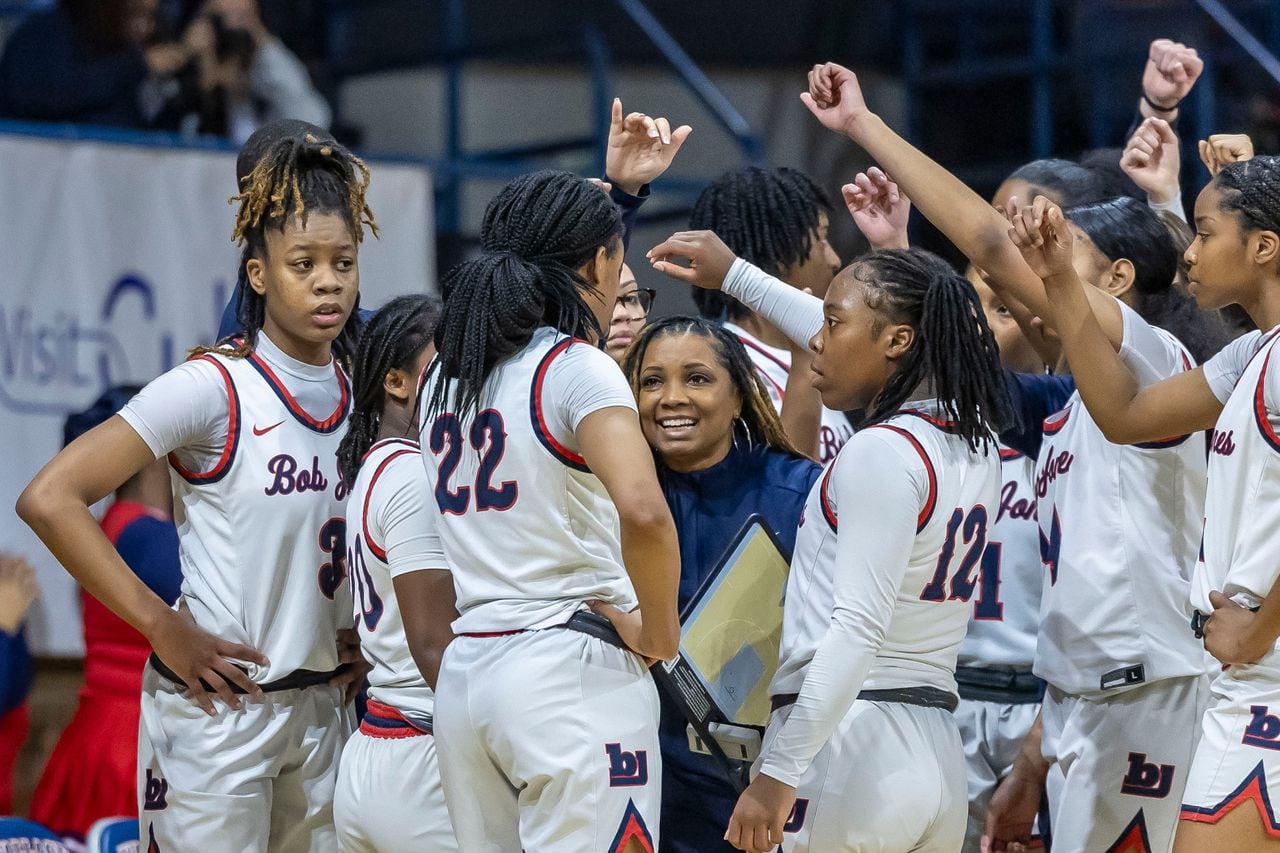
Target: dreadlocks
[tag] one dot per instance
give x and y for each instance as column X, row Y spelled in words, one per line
column 954, row 352
column 538, row 231
column 296, row 176
column 767, row 216
column 762, row 422
column 392, row 339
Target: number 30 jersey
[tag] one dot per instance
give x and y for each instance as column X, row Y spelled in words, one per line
column 257, row 499
column 528, row 531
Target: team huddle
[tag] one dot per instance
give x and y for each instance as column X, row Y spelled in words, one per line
column 1034, row 589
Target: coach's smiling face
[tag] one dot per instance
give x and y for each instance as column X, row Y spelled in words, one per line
column 687, row 402
column 857, row 349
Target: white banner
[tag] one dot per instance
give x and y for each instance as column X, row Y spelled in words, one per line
column 114, row 260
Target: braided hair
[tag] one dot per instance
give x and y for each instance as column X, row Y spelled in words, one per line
column 1251, row 190
column 538, row 231
column 954, row 352
column 763, row 426
column 1127, row 228
column 767, row 216
column 297, row 176
column 392, row 339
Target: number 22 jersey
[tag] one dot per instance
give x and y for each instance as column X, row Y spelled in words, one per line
column 528, row 531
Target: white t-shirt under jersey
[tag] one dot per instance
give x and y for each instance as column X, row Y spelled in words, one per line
column 872, row 601
column 773, row 365
column 257, row 499
column 391, row 524
column 528, row 531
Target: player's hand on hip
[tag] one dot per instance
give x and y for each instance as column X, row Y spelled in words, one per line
column 878, row 208
column 629, row 625
column 1040, row 232
column 835, row 97
column 761, row 812
column 1223, row 149
column 200, row 658
column 354, row 667
column 1011, row 815
column 1230, row 633
column 640, row 148
column 709, row 258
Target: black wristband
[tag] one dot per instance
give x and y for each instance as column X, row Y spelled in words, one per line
column 1157, row 107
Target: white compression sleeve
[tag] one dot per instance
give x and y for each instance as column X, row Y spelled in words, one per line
column 797, row 314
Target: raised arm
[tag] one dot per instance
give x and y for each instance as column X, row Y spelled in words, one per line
column 977, row 229
column 1126, row 412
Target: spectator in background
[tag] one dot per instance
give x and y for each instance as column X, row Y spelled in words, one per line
column 107, row 62
column 17, row 591
column 630, row 313
column 92, row 772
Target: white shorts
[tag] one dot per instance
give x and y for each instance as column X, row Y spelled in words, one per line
column 548, row 742
column 257, row 779
column 890, row 779
column 1123, row 762
column 389, row 797
column 992, row 734
column 1238, row 758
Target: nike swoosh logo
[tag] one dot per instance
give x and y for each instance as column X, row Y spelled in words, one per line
column 264, row 431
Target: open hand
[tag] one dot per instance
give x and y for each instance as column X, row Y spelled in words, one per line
column 1223, row 149
column 709, row 258
column 757, row 820
column 1172, row 69
column 1040, row 232
column 640, row 148
column 834, row 96
column 1151, row 160
column 1229, row 634
column 878, row 208
column 199, row 659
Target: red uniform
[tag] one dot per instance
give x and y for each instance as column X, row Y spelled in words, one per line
column 92, row 773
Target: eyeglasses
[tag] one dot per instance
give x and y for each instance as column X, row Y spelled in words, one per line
column 638, row 301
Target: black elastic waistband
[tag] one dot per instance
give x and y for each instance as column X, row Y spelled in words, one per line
column 594, row 625
column 925, row 697
column 1004, row 685
column 296, row 680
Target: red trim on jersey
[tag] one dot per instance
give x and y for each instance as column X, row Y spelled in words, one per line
column 384, row 721
column 927, row 512
column 123, row 513
column 1260, row 407
column 1008, row 453
column 945, row 426
column 555, row 448
column 223, row 464
column 488, row 635
column 327, row 425
column 1055, row 422
column 374, row 548
column 764, row 352
column 828, row 511
column 383, row 442
column 1254, row 787
column 631, row 829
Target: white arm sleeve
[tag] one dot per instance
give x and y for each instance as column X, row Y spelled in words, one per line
column 877, row 532
column 581, row 380
column 1150, row 352
column 1173, row 206
column 797, row 314
column 399, row 513
column 184, row 411
column 1222, row 372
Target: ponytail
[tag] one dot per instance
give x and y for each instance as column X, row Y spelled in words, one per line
column 537, row 232
column 954, row 352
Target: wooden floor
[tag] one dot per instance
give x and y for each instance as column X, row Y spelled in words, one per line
column 50, row 706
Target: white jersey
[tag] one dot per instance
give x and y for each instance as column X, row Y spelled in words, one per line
column 1006, row 607
column 258, row 500
column 1118, row 531
column 886, row 561
column 1242, row 512
column 528, row 531
column 391, row 524
column 772, row 365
